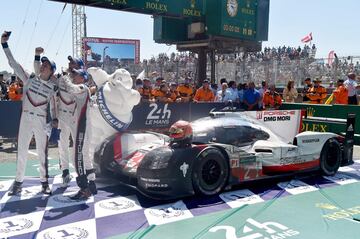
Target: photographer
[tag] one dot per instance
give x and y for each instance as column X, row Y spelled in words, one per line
column 38, row 90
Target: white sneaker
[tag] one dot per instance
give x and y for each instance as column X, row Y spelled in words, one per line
column 66, row 180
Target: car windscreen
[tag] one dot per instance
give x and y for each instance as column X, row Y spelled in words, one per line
column 214, row 130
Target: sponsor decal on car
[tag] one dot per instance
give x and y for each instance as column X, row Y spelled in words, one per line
column 308, row 141
column 153, row 183
column 282, row 115
column 254, row 229
column 184, row 168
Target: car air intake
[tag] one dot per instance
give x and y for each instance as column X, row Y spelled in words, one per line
column 263, row 151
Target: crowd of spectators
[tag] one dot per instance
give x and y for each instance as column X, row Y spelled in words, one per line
column 10, row 89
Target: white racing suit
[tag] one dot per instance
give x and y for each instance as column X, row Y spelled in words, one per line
column 36, row 97
column 66, row 108
column 78, row 125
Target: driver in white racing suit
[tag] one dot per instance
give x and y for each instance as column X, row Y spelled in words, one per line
column 74, row 84
column 66, row 108
column 37, row 92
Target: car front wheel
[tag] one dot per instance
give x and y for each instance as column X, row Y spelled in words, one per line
column 210, row 173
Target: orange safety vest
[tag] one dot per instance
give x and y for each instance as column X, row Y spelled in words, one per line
column 204, row 95
column 341, row 95
column 317, row 95
column 272, row 100
column 184, row 91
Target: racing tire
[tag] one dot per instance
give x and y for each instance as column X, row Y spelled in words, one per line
column 330, row 157
column 210, row 173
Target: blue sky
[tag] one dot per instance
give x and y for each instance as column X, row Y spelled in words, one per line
column 334, row 24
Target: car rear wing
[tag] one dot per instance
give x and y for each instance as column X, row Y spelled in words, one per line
column 349, row 140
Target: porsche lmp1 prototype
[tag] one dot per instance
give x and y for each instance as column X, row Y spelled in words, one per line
column 224, row 149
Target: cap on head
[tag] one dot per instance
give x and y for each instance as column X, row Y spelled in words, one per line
column 82, row 73
column 52, row 63
column 317, row 80
column 308, row 79
column 340, row 80
column 77, row 61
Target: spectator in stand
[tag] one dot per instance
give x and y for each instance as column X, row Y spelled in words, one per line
column 340, row 93
column 231, row 94
column 164, row 94
column 185, row 91
column 306, row 89
column 3, row 88
column 262, row 91
column 272, row 99
column 204, row 93
column 251, row 98
column 317, row 93
column 214, row 88
column 223, row 80
column 145, row 91
column 138, row 84
column 241, row 90
column 174, row 94
column 156, row 92
column 351, row 85
column 15, row 89
column 221, row 93
column 290, row 94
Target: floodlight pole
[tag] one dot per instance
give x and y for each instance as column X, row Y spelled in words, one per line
column 78, row 29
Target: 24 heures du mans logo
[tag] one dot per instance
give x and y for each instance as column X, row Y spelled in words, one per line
column 256, row 230
column 158, row 116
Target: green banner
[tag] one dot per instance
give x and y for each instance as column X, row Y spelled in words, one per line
column 187, row 8
column 238, row 18
column 325, row 213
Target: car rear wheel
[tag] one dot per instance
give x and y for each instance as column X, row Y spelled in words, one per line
column 330, row 158
column 210, row 173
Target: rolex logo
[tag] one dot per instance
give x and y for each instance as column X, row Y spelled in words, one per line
column 326, row 206
column 192, row 3
column 310, row 112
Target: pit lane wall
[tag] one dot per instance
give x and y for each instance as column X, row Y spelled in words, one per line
column 327, row 118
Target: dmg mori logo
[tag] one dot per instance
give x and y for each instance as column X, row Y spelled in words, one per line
column 158, row 115
column 310, row 111
column 15, row 225
column 67, row 233
column 256, row 230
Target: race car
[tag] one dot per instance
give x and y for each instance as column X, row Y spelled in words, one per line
column 221, row 150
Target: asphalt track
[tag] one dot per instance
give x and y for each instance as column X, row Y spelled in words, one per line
column 311, row 207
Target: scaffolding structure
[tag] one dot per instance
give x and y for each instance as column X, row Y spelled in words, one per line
column 78, row 29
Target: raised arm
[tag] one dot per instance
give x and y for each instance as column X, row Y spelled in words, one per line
column 38, row 52
column 19, row 71
column 73, row 88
